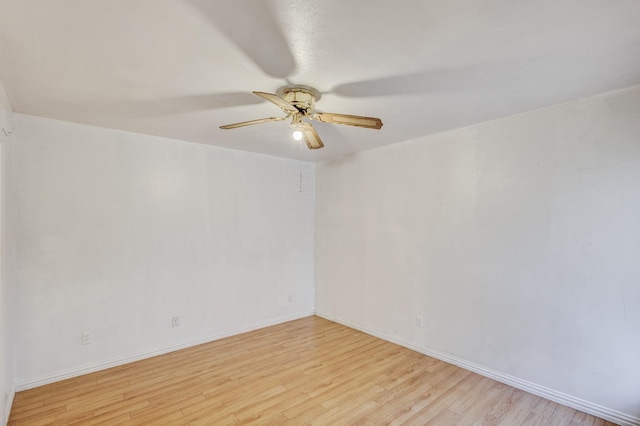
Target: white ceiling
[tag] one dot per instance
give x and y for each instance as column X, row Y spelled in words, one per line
column 181, row 68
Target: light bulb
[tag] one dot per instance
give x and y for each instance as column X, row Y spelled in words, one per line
column 297, row 135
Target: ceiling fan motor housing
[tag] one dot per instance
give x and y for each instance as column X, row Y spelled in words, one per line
column 302, row 97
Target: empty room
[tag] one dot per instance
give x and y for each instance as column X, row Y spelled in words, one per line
column 320, row 213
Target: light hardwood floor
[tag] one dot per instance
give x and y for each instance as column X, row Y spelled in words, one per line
column 308, row 371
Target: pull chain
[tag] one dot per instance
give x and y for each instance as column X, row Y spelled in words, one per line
column 300, row 164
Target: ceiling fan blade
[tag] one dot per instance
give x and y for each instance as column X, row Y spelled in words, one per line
column 350, row 120
column 249, row 123
column 245, row 21
column 311, row 137
column 275, row 99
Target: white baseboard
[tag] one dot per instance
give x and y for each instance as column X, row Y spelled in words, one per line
column 550, row 394
column 7, row 407
column 75, row 372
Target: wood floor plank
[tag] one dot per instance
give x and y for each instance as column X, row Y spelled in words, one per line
column 520, row 410
column 106, row 419
column 305, row 372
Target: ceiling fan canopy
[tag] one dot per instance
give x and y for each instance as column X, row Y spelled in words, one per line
column 298, row 102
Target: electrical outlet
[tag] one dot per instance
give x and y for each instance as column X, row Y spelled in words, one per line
column 290, row 299
column 420, row 322
column 86, row 338
column 175, row 321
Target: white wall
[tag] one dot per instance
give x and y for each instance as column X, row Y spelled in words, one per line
column 7, row 365
column 517, row 240
column 119, row 232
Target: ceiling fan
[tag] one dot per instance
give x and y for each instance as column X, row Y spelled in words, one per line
column 298, row 102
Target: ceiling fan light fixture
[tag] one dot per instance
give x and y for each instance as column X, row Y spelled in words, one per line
column 297, row 135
